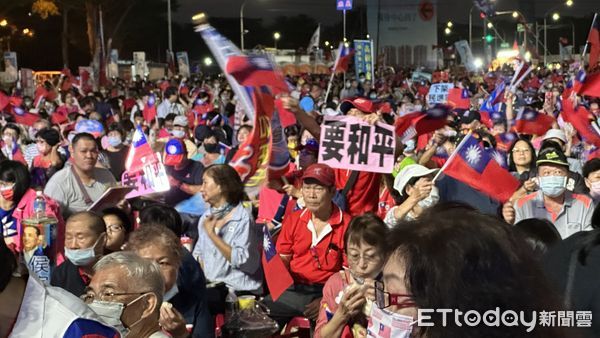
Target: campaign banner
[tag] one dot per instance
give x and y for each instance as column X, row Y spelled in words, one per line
column 466, row 57
column 113, row 63
column 10, row 67
column 152, row 179
column 418, row 76
column 363, row 58
column 27, row 82
column 404, row 31
column 438, row 93
column 139, row 64
column 183, row 64
column 350, row 143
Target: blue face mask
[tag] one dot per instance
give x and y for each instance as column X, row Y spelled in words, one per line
column 82, row 257
column 553, row 186
column 114, row 141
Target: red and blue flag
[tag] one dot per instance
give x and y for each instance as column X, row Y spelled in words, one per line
column 277, row 275
column 256, row 71
column 530, row 121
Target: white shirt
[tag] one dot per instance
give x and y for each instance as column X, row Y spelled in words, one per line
column 316, row 239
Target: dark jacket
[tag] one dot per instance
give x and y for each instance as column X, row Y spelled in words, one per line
column 67, row 276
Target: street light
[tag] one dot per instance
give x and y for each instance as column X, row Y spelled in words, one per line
column 25, row 31
column 208, row 61
column 490, row 25
column 326, row 43
column 450, row 24
column 276, row 37
column 3, row 23
column 515, row 14
column 555, row 16
column 569, row 3
column 447, row 31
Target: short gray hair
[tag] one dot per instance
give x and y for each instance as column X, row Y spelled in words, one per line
column 144, row 274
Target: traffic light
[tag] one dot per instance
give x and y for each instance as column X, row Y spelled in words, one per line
column 489, row 38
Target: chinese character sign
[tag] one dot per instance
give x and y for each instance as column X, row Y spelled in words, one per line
column 350, row 143
column 438, row 93
column 183, row 64
column 363, row 58
column 10, row 66
column 343, row 5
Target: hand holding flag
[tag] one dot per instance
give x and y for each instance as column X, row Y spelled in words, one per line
column 277, row 275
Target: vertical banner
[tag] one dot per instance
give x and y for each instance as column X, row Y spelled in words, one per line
column 139, row 64
column 27, row 82
column 183, row 64
column 10, row 66
column 113, row 63
column 466, row 57
column 363, row 58
column 404, row 31
column 350, row 143
column 86, row 79
column 343, row 5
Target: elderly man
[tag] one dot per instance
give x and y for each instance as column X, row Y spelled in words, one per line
column 311, row 244
column 127, row 293
column 569, row 212
column 181, row 131
column 85, row 238
column 80, row 183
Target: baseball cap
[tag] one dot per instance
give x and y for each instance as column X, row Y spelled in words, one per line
column 470, row 116
column 320, row 172
column 180, row 120
column 89, row 126
column 552, row 156
column 175, row 152
column 408, row 172
column 555, row 133
column 364, row 105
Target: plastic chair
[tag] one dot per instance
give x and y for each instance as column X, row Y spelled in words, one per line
column 219, row 322
column 302, row 324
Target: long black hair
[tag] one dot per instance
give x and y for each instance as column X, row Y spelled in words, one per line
column 458, row 258
column 17, row 173
column 511, row 162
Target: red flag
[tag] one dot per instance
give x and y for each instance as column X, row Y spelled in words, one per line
column 530, row 121
column 475, row 167
column 67, row 81
column 149, row 111
column 256, row 71
column 591, row 85
column 421, row 122
column 23, row 117
column 342, row 61
column 140, row 153
column 580, row 120
column 459, row 98
column 277, row 275
column 287, row 117
column 4, row 100
column 594, row 41
column 41, row 94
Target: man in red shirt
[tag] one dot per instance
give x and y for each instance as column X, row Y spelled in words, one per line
column 311, row 244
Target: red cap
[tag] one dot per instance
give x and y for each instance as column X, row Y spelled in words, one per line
column 364, row 105
column 320, row 172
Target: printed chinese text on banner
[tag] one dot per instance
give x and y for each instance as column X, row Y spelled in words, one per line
column 438, row 93
column 363, row 58
column 350, row 143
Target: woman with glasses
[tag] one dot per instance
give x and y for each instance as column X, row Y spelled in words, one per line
column 456, row 259
column 118, row 227
column 348, row 295
column 521, row 159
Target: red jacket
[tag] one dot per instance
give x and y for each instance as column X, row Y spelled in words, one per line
column 308, row 264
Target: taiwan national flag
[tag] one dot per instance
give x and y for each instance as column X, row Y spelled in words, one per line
column 342, row 61
column 474, row 166
column 256, row 71
column 591, row 85
column 277, row 275
column 140, row 153
column 149, row 111
column 581, row 122
column 422, row 122
column 594, row 41
column 505, row 140
column 530, row 121
column 23, row 117
column 459, row 98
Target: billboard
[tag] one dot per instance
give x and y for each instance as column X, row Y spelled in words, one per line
column 404, row 32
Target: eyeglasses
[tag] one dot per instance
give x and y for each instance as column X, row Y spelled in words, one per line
column 385, row 299
column 114, row 227
column 355, row 258
column 313, row 252
column 106, row 296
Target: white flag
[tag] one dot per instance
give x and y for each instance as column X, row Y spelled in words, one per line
column 314, row 40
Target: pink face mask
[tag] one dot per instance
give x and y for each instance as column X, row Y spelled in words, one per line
column 595, row 190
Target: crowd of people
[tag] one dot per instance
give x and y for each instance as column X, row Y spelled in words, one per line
column 366, row 251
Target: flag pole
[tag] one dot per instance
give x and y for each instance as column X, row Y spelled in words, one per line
column 586, row 39
column 335, row 63
column 458, row 147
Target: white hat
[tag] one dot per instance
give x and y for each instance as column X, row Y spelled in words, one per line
column 556, row 133
column 180, row 120
column 408, row 172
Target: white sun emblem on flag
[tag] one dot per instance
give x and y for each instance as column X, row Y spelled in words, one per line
column 266, row 243
column 261, row 63
column 498, row 158
column 172, row 149
column 529, row 115
column 137, row 136
column 473, row 154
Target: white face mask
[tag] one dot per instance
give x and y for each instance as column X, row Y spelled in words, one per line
column 388, row 324
column 171, row 293
column 431, row 200
column 110, row 313
column 178, row 133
